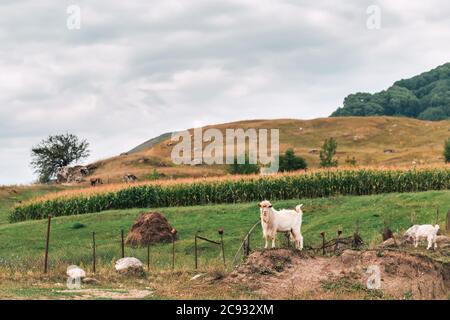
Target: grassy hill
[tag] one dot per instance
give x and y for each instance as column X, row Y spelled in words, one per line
column 23, row 243
column 12, row 195
column 371, row 140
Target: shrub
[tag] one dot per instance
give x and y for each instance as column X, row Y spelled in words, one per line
column 290, row 162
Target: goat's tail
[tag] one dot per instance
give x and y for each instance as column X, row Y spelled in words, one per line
column 299, row 208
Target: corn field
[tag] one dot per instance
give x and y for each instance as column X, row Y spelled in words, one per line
column 279, row 187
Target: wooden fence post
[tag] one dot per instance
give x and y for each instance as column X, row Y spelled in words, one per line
column 336, row 246
column 93, row 252
column 247, row 246
column 174, row 233
column 123, row 244
column 447, row 223
column 323, row 242
column 223, row 246
column 195, row 245
column 148, row 257
column 47, row 241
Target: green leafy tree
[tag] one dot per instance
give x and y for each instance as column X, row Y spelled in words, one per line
column 55, row 152
column 426, row 96
column 447, row 151
column 244, row 168
column 290, row 162
column 328, row 152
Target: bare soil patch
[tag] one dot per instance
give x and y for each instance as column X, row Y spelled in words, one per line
column 286, row 274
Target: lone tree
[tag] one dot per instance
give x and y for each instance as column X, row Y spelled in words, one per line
column 55, row 152
column 290, row 162
column 327, row 153
column 447, row 151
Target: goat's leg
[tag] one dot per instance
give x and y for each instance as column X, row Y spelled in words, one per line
column 416, row 242
column 298, row 240
column 266, row 239
column 273, row 240
column 430, row 242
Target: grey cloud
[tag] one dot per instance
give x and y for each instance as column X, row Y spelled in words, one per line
column 137, row 69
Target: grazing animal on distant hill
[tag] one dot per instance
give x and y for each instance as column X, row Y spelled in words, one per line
column 96, row 181
column 425, row 231
column 274, row 221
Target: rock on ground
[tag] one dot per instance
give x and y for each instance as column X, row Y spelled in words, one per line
column 75, row 272
column 129, row 265
column 443, row 241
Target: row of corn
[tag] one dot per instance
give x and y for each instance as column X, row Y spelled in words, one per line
column 312, row 185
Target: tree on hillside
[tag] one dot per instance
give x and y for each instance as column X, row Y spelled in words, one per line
column 447, row 151
column 245, row 168
column 426, row 96
column 327, row 153
column 55, row 152
column 290, row 162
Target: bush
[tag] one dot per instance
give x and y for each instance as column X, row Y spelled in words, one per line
column 447, row 151
column 290, row 162
column 244, row 168
column 327, row 153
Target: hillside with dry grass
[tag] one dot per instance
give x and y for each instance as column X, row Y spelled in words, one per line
column 373, row 141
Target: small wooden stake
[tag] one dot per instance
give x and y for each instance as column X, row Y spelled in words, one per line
column 223, row 246
column 336, row 247
column 174, row 233
column 448, row 222
column 195, row 245
column 323, row 242
column 47, row 241
column 93, row 252
column 148, row 257
column 123, row 244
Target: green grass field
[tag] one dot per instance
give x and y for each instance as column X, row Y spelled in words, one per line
column 22, row 244
column 9, row 196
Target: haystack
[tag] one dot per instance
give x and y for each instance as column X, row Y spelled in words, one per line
column 150, row 228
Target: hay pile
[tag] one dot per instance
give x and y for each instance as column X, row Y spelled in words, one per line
column 150, row 228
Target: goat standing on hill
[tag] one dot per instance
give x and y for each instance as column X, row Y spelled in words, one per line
column 425, row 231
column 274, row 221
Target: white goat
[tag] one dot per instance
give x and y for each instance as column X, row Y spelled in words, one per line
column 426, row 231
column 274, row 221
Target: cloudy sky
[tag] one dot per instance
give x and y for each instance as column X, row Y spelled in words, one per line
column 136, row 69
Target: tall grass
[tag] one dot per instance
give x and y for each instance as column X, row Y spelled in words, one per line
column 281, row 187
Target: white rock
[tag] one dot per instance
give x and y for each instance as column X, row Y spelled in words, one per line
column 75, row 272
column 197, row 276
column 129, row 264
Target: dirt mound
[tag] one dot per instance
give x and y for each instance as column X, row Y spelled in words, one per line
column 150, row 228
column 285, row 274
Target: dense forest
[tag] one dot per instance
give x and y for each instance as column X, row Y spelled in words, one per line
column 426, row 97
